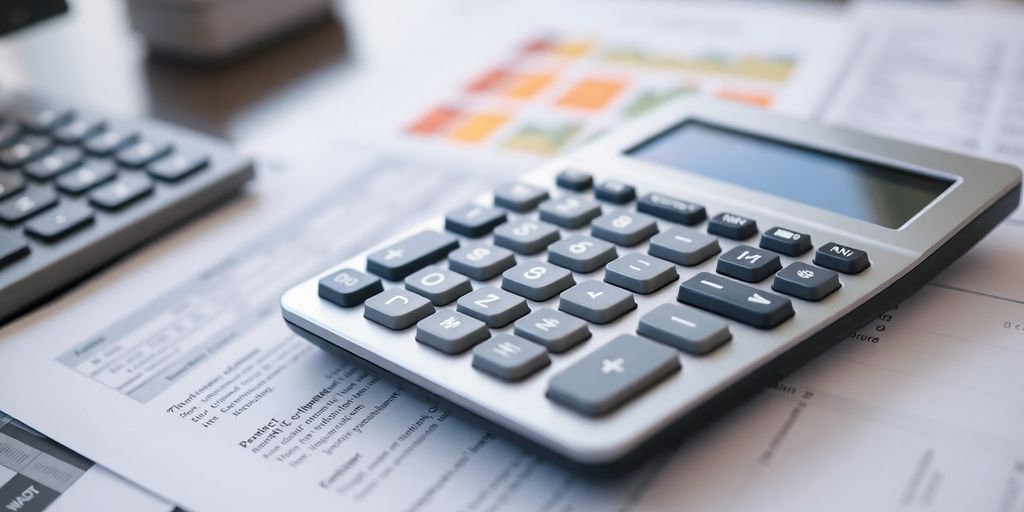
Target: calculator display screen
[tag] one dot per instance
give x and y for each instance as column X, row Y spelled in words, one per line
column 868, row 191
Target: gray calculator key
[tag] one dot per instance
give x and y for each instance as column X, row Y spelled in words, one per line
column 581, row 253
column 86, row 176
column 118, row 193
column 58, row 161
column 569, row 211
column 397, row 308
column 536, row 280
column 12, row 247
column 10, row 183
column 615, row 192
column 843, row 258
column 110, row 140
column 732, row 226
column 348, row 287
column 494, row 306
column 177, row 166
column 596, row 302
column 480, row 261
column 411, row 254
column 519, row 197
column 555, row 330
column 78, row 129
column 684, row 328
column 735, row 300
column 509, row 357
column 56, row 223
column 748, row 264
column 806, row 281
column 525, row 236
column 624, row 227
column 27, row 203
column 473, row 220
column 25, row 150
column 613, row 374
column 451, row 332
column 440, row 285
column 143, row 151
column 683, row 246
column 640, row 273
column 9, row 131
column 574, row 180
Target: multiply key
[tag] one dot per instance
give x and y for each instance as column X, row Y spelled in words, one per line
column 411, row 254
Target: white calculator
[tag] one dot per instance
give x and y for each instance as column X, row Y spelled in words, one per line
column 615, row 296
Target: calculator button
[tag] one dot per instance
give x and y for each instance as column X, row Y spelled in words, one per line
column 9, row 131
column 143, row 151
column 25, row 150
column 110, row 140
column 26, row 203
column 574, row 180
column 806, row 281
column 683, row 246
column 786, row 242
column 640, row 273
column 596, row 302
column 474, row 220
column 439, row 285
column 122, row 191
column 10, row 183
column 56, row 223
column 525, row 236
column 411, row 254
column 569, row 211
column 555, row 330
column 537, row 280
column 78, row 129
column 451, row 332
column 11, row 248
column 58, row 161
column 685, row 328
column 177, row 166
column 613, row 374
column 624, row 228
column 519, row 197
column 480, row 261
column 348, row 287
column 581, row 253
column 842, row 258
column 509, row 357
column 397, row 309
column 735, row 300
column 615, row 192
column 670, row 208
column 748, row 264
column 86, row 176
column 493, row 306
column 732, row 226
column 39, row 116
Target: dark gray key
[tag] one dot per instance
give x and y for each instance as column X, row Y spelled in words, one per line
column 613, row 374
column 56, row 223
column 397, row 308
column 786, row 242
column 493, row 306
column 10, row 182
column 685, row 328
column 143, row 151
column 78, row 129
column 640, row 273
column 110, row 140
column 411, row 254
column 56, row 162
column 25, row 150
column 555, row 330
column 842, row 258
column 536, row 280
column 569, row 211
column 451, row 332
column 9, row 132
column 480, row 261
column 732, row 226
column 806, row 281
column 348, row 287
column 574, row 180
column 474, row 220
column 509, row 357
column 121, row 192
column 596, row 302
column 525, row 236
column 519, row 197
column 624, row 227
column 440, row 285
column 86, row 176
column 26, row 203
column 40, row 116
column 12, row 247
column 748, row 264
column 177, row 165
column 670, row 208
column 581, row 253
column 615, row 192
column 683, row 246
column 735, row 300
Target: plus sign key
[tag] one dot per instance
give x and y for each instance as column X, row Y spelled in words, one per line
column 404, row 257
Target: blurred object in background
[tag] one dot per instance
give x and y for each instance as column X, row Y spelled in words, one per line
column 15, row 14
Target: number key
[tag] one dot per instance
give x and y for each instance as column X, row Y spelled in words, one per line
column 439, row 285
column 520, row 197
column 569, row 211
column 493, row 306
column 397, row 309
column 473, row 220
column 525, row 236
column 537, row 280
column 480, row 261
column 348, row 287
column 596, row 302
column 581, row 253
column 624, row 228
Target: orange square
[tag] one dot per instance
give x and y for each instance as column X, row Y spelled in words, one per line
column 435, row 121
column 477, row 127
column 592, row 94
column 527, row 86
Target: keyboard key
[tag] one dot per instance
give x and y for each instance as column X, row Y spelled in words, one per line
column 26, row 203
column 615, row 192
column 732, row 226
column 56, row 223
column 842, row 258
column 519, row 197
column 613, row 374
column 440, row 285
column 806, row 281
column 397, row 308
column 474, row 220
column 537, row 280
column 596, row 302
column 348, row 287
column 110, row 140
column 143, row 151
column 525, row 236
column 9, row 132
column 509, row 357
column 581, row 253
column 78, row 129
column 748, row 264
column 784, row 241
column 39, row 116
column 670, row 208
column 411, row 254
column 683, row 246
column 480, row 261
column 555, row 330
column 25, row 150
column 178, row 165
column 735, row 300
column 624, row 227
column 569, row 211
column 685, row 328
column 56, row 162
column 121, row 192
column 12, row 247
column 574, row 180
column 493, row 306
column 451, row 332
column 640, row 273
column 86, row 176
column 10, row 183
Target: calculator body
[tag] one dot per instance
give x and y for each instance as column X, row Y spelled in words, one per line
column 970, row 197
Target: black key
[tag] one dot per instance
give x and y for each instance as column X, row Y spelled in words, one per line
column 122, row 191
column 39, row 116
column 26, row 203
column 25, row 150
column 732, row 226
column 10, row 182
column 842, row 258
column 348, row 287
column 519, row 197
column 177, row 166
column 143, row 151
column 474, row 220
column 735, row 300
column 11, row 248
column 786, row 242
column 110, row 140
column 9, row 131
column 670, row 208
column 58, row 161
column 574, row 180
column 86, row 176
column 748, row 264
column 806, row 281
column 78, row 129
column 411, row 254
column 615, row 192
column 56, row 223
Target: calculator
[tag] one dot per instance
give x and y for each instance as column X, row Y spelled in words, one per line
column 631, row 290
